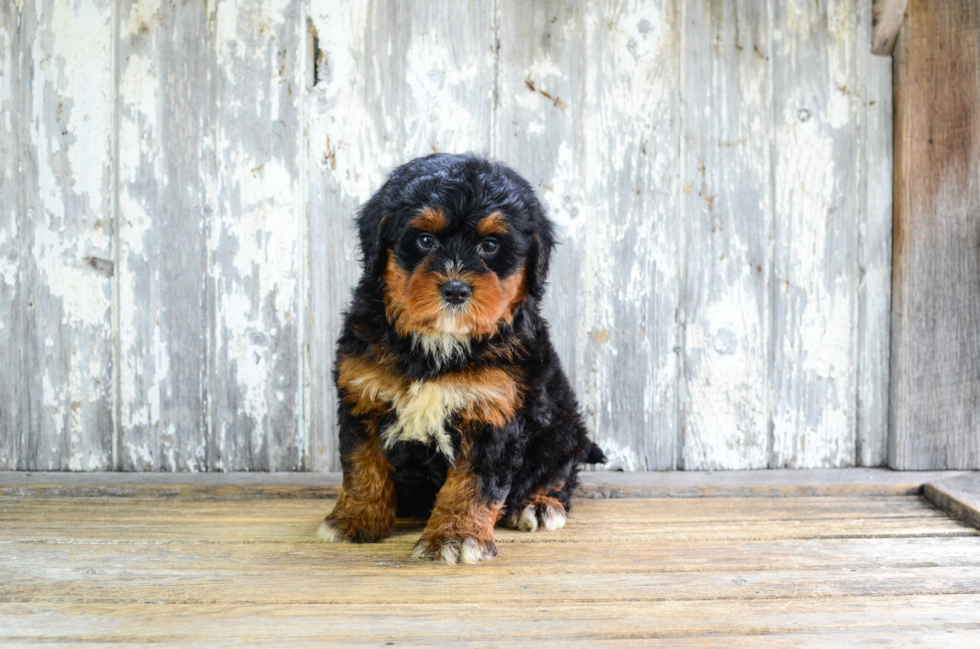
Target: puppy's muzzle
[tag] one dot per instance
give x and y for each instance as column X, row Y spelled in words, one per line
column 455, row 291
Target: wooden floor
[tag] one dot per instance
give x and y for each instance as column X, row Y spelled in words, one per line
column 708, row 571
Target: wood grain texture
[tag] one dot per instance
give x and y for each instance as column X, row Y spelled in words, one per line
column 727, row 211
column 12, row 132
column 633, row 239
column 394, row 81
column 887, row 20
column 806, row 571
column 256, row 237
column 874, row 110
column 815, row 239
column 162, row 315
column 56, row 327
column 935, row 359
column 812, row 622
column 959, row 496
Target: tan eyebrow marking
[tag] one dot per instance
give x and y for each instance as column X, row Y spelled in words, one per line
column 429, row 219
column 493, row 224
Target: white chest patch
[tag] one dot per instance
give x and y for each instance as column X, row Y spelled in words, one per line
column 424, row 407
column 422, row 411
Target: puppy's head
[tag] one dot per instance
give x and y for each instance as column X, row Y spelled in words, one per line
column 459, row 244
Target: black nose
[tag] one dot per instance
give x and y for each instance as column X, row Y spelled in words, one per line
column 455, row 291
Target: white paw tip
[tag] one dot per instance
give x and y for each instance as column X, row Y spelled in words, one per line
column 452, row 552
column 328, row 533
column 553, row 519
column 527, row 520
column 470, row 551
column 448, row 555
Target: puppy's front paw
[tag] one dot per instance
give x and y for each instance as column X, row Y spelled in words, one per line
column 547, row 516
column 328, row 533
column 354, row 529
column 451, row 551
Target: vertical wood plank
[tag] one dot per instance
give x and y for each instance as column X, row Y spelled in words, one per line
column 162, row 56
column 633, row 236
column 12, row 127
column 256, row 237
column 817, row 209
column 935, row 389
column 727, row 212
column 588, row 114
column 874, row 105
column 63, row 119
column 394, row 81
column 540, row 123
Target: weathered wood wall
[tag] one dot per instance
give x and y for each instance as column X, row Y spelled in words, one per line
column 178, row 181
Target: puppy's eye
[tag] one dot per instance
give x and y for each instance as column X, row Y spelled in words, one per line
column 488, row 247
column 426, row 241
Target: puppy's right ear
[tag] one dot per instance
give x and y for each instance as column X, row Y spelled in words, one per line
column 370, row 224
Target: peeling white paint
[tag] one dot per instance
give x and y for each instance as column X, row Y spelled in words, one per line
column 11, row 254
column 728, row 216
column 256, row 238
column 63, row 176
column 78, row 69
column 143, row 15
column 818, row 212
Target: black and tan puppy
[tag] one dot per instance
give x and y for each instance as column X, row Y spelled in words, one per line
column 453, row 405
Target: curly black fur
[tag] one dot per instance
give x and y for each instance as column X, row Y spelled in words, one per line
column 540, row 448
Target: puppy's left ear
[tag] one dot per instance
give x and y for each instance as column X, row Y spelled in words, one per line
column 370, row 224
column 540, row 255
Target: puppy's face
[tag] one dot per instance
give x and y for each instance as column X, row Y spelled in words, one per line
column 455, row 270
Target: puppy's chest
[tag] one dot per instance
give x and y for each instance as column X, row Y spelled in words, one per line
column 423, row 410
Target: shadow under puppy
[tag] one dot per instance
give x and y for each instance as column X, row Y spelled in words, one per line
column 452, row 402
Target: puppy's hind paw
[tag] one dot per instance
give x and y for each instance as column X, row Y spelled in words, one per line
column 525, row 520
column 552, row 518
column 545, row 516
column 451, row 551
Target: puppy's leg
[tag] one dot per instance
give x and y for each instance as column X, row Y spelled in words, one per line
column 460, row 528
column 365, row 510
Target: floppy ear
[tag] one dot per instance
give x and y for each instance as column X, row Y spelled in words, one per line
column 370, row 222
column 540, row 255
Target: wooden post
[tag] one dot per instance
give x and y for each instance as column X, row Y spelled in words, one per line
column 935, row 367
column 886, row 16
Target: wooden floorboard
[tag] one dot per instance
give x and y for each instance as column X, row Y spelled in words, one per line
column 769, row 483
column 691, row 572
column 959, row 496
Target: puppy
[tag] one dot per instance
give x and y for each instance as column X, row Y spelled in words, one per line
column 452, row 403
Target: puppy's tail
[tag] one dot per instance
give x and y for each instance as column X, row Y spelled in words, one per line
column 594, row 454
